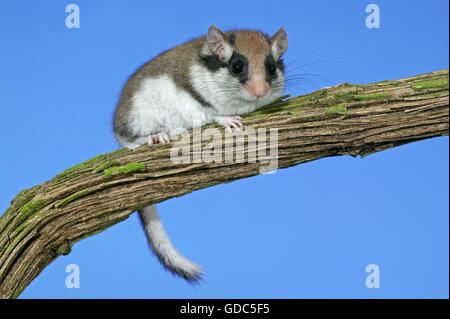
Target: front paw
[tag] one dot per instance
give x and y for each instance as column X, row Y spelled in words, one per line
column 230, row 122
column 161, row 138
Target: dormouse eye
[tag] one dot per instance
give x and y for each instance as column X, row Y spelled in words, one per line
column 237, row 67
column 271, row 68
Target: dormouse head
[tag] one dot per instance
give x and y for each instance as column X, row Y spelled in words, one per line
column 251, row 59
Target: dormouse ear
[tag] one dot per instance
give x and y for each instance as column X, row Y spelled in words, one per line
column 279, row 43
column 218, row 43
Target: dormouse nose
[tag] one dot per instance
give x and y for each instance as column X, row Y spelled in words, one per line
column 257, row 85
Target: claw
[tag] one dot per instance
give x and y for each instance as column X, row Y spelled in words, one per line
column 230, row 122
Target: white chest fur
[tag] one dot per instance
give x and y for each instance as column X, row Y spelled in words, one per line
column 160, row 106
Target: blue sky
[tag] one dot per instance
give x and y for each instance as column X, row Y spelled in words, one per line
column 304, row 232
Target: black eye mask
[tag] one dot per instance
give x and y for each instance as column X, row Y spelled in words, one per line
column 271, row 67
column 212, row 62
column 238, row 67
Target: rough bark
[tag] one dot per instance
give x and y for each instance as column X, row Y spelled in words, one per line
column 43, row 222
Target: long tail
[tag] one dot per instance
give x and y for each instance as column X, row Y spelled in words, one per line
column 169, row 257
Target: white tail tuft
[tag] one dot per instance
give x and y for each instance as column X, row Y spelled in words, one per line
column 169, row 257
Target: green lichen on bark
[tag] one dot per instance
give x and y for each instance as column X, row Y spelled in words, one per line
column 70, row 171
column 72, row 197
column 430, row 84
column 336, row 109
column 346, row 96
column 104, row 166
column 129, row 168
column 44, row 213
column 87, row 165
column 32, row 206
column 426, row 96
column 369, row 97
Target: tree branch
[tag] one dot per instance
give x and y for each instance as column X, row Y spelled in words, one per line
column 43, row 222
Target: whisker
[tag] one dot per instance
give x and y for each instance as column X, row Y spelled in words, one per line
column 297, row 59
